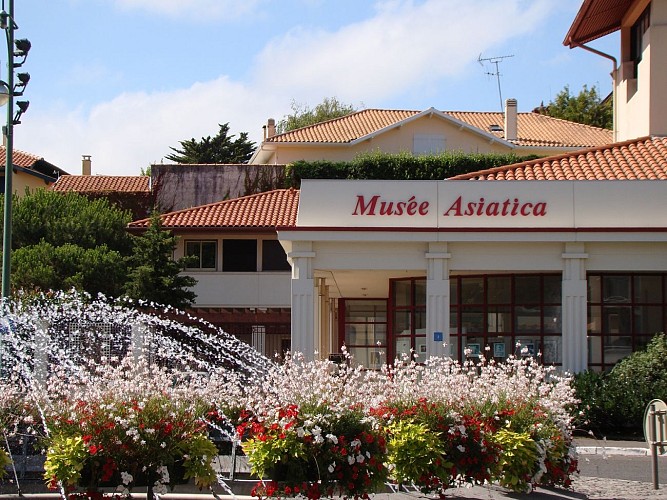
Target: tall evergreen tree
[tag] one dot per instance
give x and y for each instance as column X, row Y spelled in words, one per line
column 154, row 275
column 218, row 149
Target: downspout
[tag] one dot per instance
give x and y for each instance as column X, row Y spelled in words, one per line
column 614, row 74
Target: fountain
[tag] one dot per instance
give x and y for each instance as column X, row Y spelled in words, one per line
column 60, row 348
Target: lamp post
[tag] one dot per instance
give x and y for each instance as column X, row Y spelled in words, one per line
column 17, row 52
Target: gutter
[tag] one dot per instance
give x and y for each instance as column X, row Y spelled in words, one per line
column 614, row 74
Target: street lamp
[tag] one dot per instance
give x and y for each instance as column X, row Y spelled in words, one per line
column 17, row 52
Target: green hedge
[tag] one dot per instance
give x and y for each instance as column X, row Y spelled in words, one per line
column 401, row 166
column 615, row 402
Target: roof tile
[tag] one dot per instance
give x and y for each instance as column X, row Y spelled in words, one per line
column 270, row 209
column 20, row 158
column 103, row 183
column 533, row 129
column 638, row 159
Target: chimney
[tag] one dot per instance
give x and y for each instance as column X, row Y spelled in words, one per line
column 86, row 165
column 510, row 120
column 270, row 128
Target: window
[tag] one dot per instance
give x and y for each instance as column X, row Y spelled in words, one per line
column 637, row 41
column 202, row 254
column 239, row 255
column 274, row 257
column 624, row 312
column 364, row 331
column 499, row 315
column 424, row 144
column 408, row 318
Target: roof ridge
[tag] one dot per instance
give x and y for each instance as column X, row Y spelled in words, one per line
column 579, row 152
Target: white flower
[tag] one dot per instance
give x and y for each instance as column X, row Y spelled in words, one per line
column 300, row 432
column 461, row 448
column 126, row 477
column 332, row 438
column 360, row 459
column 332, row 468
column 355, row 444
column 350, row 459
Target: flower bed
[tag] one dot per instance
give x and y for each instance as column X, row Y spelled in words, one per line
column 312, row 429
column 435, row 426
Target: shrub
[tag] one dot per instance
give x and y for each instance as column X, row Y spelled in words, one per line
column 615, row 402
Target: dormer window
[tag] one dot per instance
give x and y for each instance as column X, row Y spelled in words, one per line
column 495, row 128
column 637, row 42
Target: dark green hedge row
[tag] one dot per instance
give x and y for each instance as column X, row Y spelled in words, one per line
column 401, row 166
column 614, row 402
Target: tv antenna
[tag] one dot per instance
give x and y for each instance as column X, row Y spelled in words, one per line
column 495, row 61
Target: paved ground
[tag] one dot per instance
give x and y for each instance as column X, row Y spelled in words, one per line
column 591, row 484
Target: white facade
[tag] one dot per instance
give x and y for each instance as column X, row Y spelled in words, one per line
column 353, row 237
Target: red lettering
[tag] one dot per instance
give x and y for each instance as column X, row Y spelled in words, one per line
column 365, row 209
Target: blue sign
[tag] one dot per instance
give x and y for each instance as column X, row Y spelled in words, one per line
column 437, row 336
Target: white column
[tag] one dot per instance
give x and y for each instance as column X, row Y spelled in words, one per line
column 303, row 299
column 575, row 345
column 437, row 300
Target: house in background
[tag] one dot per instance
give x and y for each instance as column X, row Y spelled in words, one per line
column 30, row 171
column 242, row 272
column 128, row 192
column 428, row 132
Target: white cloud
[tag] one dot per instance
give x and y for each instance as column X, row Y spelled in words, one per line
column 402, row 46
column 405, row 47
column 194, row 9
column 137, row 129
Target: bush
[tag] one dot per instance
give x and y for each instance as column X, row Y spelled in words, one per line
column 401, row 166
column 615, row 402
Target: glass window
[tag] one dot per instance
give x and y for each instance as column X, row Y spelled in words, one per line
column 274, row 257
column 201, row 254
column 364, row 334
column 472, row 290
column 239, row 255
column 647, row 289
column 527, row 289
column 402, row 293
column 616, row 289
column 499, row 311
column 499, row 289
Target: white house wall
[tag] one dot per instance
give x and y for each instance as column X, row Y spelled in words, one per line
column 242, row 289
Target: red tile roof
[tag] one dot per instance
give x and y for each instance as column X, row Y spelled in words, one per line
column 270, row 209
column 103, row 183
column 638, row 159
column 537, row 130
column 533, row 129
column 596, row 18
column 20, row 158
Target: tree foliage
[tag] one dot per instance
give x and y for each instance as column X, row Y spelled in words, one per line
column 154, row 275
column 587, row 107
column 302, row 115
column 219, row 149
column 62, row 241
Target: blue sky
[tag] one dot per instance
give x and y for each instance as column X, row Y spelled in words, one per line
column 124, row 80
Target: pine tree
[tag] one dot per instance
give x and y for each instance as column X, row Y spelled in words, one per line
column 218, row 149
column 155, row 275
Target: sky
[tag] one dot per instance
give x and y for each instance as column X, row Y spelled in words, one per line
column 124, row 81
